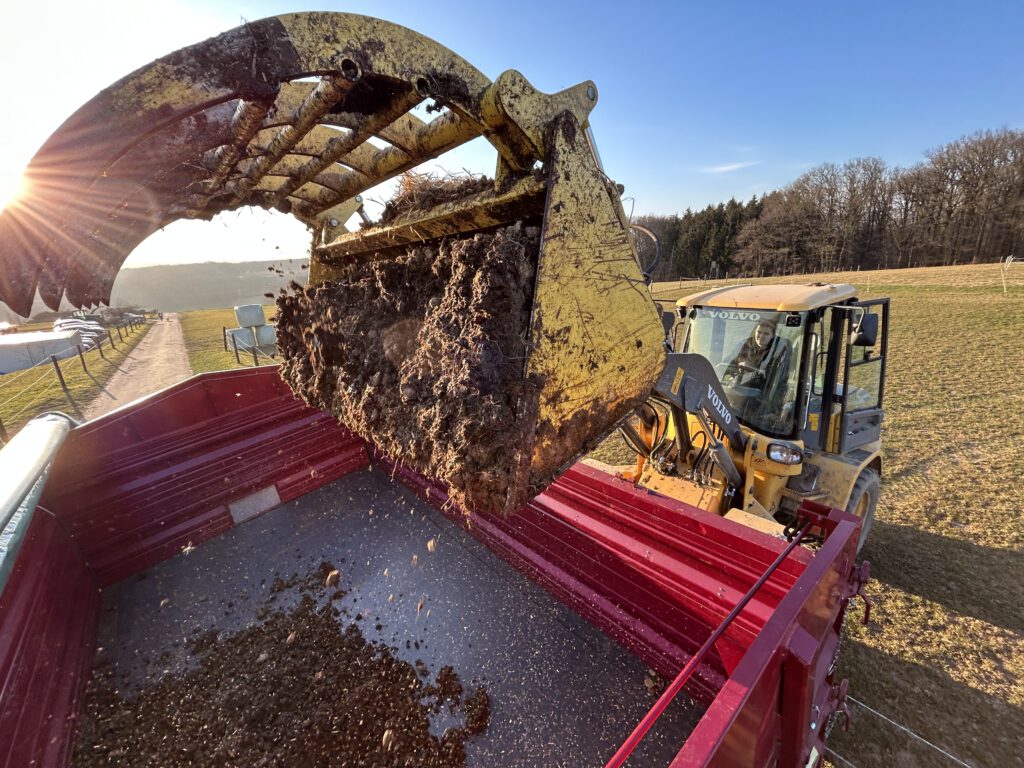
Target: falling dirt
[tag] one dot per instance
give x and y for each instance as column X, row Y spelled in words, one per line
column 299, row 689
column 425, row 356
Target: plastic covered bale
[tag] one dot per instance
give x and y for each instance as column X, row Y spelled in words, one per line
column 250, row 315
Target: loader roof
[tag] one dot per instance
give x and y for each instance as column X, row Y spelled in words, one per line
column 781, row 298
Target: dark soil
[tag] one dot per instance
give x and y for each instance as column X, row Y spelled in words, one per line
column 300, row 689
column 425, row 356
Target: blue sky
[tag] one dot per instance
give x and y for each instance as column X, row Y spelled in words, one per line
column 698, row 102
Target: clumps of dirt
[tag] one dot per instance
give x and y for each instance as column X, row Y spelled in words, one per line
column 300, row 689
column 204, row 642
column 477, row 710
column 419, row 192
column 425, row 355
column 446, row 687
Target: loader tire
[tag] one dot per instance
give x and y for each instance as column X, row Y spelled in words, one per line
column 864, row 501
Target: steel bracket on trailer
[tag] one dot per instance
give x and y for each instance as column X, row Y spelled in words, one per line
column 837, row 702
column 859, row 578
column 823, row 520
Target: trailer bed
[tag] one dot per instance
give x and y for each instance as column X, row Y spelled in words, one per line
column 561, row 692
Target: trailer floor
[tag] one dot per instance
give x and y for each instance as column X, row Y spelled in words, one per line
column 562, row 693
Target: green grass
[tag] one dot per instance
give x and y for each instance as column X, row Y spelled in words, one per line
column 204, row 340
column 944, row 653
column 23, row 394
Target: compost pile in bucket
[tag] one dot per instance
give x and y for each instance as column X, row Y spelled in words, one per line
column 299, row 689
column 425, row 355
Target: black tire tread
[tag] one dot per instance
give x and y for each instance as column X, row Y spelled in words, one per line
column 869, row 481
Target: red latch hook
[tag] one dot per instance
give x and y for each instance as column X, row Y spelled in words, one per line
column 859, row 578
column 839, row 693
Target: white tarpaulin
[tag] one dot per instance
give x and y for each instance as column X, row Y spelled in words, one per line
column 23, row 350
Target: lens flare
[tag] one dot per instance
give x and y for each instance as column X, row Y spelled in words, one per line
column 12, row 186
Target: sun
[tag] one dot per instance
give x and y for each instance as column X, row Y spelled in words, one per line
column 12, row 186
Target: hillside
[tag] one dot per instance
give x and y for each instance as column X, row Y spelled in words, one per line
column 184, row 287
column 205, row 286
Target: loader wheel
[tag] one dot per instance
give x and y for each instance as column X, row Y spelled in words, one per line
column 864, row 501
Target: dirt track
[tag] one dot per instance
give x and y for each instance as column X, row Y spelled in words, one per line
column 158, row 361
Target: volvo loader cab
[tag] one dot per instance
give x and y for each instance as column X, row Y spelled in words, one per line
column 800, row 370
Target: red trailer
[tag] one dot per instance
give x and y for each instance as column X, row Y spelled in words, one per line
column 120, row 534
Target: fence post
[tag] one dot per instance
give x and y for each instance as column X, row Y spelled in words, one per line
column 234, row 343
column 111, row 337
column 99, row 346
column 255, row 359
column 119, row 336
column 82, row 358
column 60, row 376
column 224, row 333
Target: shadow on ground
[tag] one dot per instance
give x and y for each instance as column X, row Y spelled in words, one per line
column 962, row 576
column 973, row 726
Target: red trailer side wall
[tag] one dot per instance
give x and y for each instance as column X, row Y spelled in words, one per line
column 48, row 614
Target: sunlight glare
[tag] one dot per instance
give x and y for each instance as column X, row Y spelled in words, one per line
column 12, row 185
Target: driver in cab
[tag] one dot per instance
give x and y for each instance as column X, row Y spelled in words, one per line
column 762, row 361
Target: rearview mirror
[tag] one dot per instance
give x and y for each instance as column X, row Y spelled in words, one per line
column 668, row 322
column 865, row 333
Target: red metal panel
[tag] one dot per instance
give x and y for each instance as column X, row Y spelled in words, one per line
column 328, row 464
column 758, row 719
column 138, row 485
column 230, row 391
column 191, row 406
column 48, row 614
column 160, row 542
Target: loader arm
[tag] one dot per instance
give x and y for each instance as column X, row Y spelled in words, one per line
column 303, row 113
column 690, row 385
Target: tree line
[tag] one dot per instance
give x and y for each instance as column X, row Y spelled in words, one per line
column 963, row 204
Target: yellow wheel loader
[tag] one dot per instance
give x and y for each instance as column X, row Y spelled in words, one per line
column 772, row 396
column 304, row 113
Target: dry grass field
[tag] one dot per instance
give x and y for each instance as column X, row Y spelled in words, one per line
column 944, row 653
column 24, row 394
column 204, row 339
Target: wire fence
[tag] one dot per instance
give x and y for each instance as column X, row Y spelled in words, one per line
column 29, row 389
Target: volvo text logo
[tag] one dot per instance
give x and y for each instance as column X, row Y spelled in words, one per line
column 732, row 314
column 716, row 401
